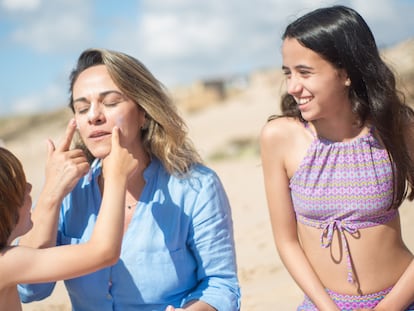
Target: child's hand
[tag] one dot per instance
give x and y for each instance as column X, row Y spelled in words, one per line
column 119, row 162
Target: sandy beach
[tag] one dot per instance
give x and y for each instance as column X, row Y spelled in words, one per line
column 226, row 135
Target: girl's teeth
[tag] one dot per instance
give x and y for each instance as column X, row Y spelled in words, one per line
column 302, row 101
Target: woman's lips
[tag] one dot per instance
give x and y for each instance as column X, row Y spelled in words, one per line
column 98, row 134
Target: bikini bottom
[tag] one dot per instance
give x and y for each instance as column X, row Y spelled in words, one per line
column 351, row 302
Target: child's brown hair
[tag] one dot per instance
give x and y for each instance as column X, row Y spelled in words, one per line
column 12, row 192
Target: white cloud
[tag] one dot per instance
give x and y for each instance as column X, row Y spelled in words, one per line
column 56, row 26
column 20, row 5
column 176, row 36
column 50, row 98
column 382, row 10
column 42, row 36
column 183, row 40
column 390, row 21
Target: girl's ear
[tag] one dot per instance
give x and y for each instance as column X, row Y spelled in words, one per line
column 345, row 77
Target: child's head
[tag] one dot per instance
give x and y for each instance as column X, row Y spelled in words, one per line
column 14, row 191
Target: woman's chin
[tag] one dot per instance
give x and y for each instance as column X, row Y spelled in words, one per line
column 100, row 153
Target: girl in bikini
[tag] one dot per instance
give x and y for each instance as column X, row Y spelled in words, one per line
column 337, row 165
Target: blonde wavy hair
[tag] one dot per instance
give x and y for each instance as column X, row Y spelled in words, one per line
column 165, row 134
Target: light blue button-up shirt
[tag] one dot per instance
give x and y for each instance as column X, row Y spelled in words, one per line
column 179, row 246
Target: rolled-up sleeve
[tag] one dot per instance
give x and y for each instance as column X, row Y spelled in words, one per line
column 35, row 292
column 212, row 242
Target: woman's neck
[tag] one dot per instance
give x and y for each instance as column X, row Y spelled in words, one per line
column 136, row 181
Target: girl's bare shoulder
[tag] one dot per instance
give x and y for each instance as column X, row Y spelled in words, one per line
column 282, row 129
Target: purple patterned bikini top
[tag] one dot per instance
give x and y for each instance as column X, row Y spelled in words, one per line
column 343, row 186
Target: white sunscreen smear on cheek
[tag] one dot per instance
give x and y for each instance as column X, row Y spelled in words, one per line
column 119, row 122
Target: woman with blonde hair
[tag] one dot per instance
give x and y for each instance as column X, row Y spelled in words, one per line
column 178, row 249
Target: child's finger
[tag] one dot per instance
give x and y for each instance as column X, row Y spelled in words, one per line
column 115, row 136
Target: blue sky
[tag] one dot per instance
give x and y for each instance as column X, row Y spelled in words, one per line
column 178, row 40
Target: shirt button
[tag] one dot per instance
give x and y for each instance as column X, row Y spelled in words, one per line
column 109, row 296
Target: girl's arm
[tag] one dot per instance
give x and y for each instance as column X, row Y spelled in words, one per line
column 64, row 168
column 275, row 141
column 28, row 265
column 402, row 294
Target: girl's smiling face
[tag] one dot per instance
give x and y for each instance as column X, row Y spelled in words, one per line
column 99, row 105
column 319, row 89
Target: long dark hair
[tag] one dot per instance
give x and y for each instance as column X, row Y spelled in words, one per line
column 342, row 37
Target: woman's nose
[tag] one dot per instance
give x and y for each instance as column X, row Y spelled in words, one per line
column 94, row 113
